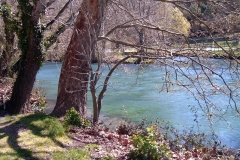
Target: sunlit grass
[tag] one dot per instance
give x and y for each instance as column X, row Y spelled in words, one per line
column 76, row 154
column 27, row 140
column 48, row 126
column 31, row 136
column 4, row 146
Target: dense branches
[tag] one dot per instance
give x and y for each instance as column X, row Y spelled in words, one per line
column 165, row 41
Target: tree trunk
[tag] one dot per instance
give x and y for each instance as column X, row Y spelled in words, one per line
column 9, row 41
column 141, row 35
column 32, row 57
column 73, row 82
column 9, row 49
column 97, row 101
column 3, row 64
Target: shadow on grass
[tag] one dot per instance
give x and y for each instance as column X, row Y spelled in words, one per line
column 37, row 123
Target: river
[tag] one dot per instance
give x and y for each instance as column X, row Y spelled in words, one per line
column 135, row 92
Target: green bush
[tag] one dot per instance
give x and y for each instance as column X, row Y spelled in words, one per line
column 73, row 118
column 147, row 146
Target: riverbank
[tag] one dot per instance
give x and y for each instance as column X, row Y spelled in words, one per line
column 115, row 142
column 208, row 49
column 108, row 121
column 36, row 136
column 134, row 93
column 36, row 96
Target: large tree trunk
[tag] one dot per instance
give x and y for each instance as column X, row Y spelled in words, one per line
column 32, row 57
column 73, row 82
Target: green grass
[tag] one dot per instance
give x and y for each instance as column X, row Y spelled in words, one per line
column 229, row 43
column 221, row 53
column 234, row 44
column 35, row 136
column 43, row 125
column 73, row 154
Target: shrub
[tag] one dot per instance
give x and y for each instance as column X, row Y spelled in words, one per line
column 148, row 147
column 38, row 103
column 73, row 118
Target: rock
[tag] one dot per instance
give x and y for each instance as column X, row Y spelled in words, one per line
column 205, row 150
column 110, row 136
column 125, row 142
column 102, row 134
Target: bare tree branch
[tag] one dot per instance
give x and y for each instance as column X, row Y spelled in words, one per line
column 59, row 13
column 49, row 41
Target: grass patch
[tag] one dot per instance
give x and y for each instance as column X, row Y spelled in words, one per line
column 43, row 125
column 76, row 154
column 229, row 43
column 33, row 136
column 221, row 53
column 131, row 60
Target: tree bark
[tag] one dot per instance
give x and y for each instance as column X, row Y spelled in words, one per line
column 3, row 64
column 6, row 58
column 141, row 35
column 73, row 82
column 32, row 57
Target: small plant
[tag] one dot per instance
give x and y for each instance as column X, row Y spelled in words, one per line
column 72, row 118
column 123, row 129
column 148, row 146
column 42, row 103
column 38, row 103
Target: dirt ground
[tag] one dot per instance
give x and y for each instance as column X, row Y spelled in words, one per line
column 109, row 143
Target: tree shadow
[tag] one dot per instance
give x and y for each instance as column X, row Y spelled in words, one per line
column 12, row 130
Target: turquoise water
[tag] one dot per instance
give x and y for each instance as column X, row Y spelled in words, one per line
column 135, row 92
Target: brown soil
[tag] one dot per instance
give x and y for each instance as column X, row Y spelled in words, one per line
column 109, row 143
